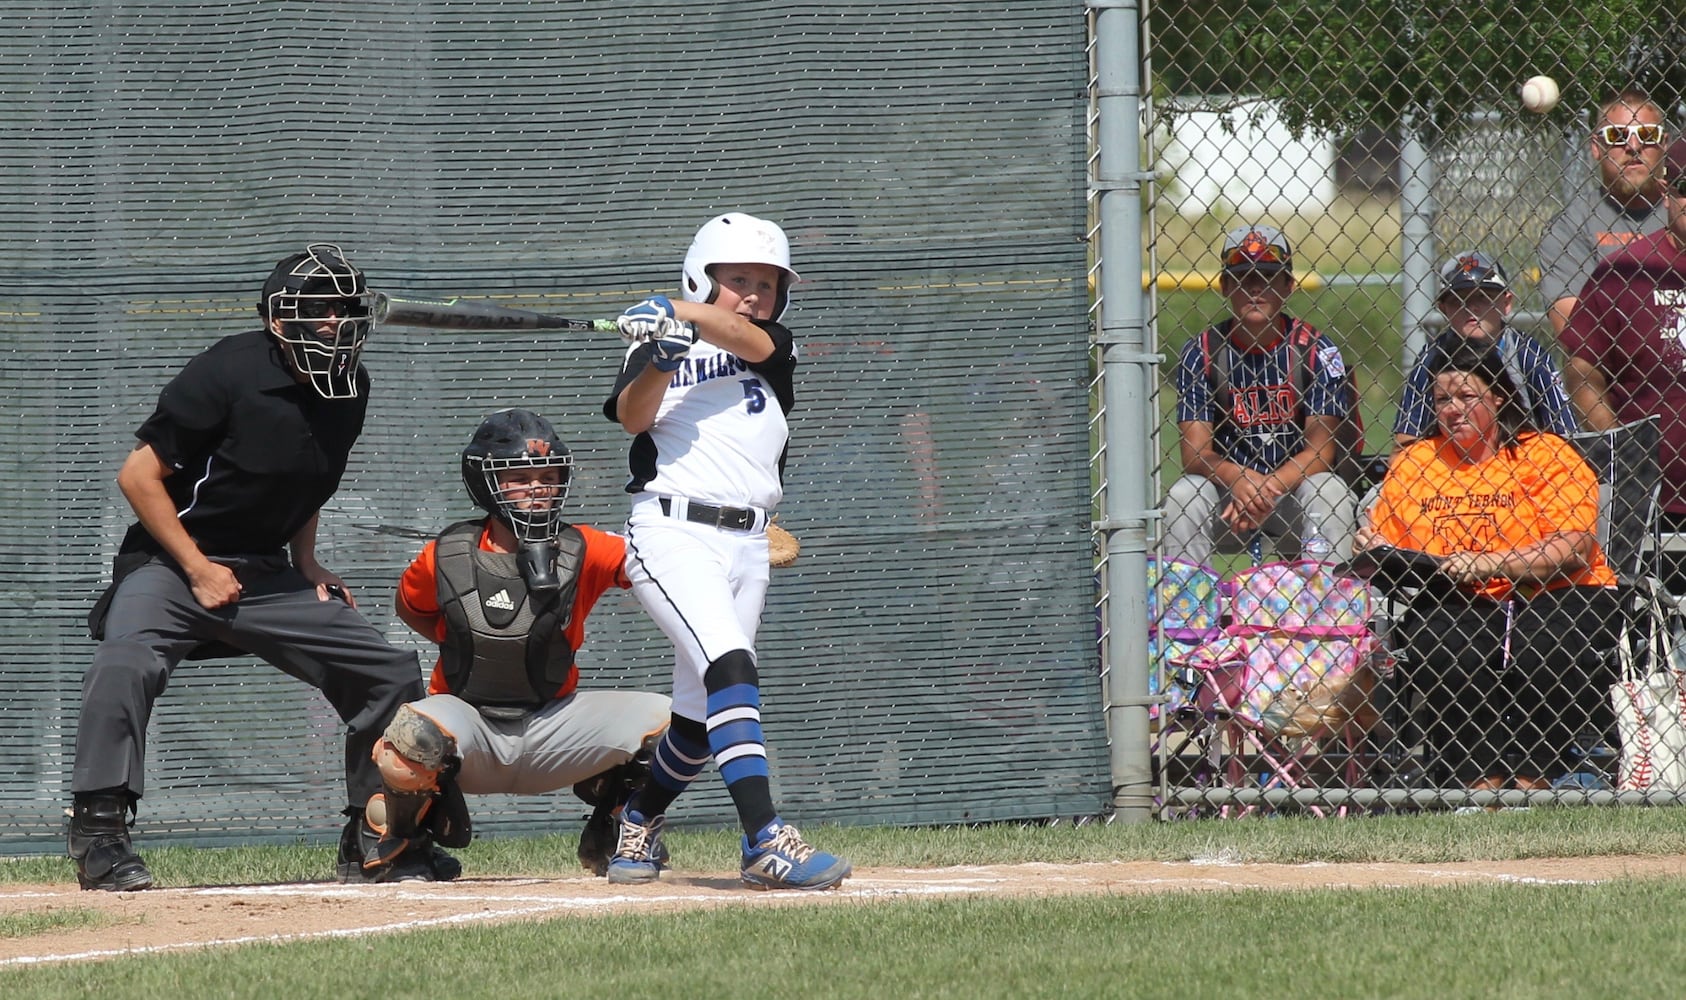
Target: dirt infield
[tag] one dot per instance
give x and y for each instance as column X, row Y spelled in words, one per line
column 163, row 920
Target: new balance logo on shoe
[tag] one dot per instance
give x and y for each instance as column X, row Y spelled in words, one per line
column 774, row 867
column 500, row 601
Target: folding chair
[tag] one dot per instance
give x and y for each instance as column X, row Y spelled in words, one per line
column 1629, row 486
column 1291, row 676
column 1184, row 610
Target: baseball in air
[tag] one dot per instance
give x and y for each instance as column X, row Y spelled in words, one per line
column 1539, row 94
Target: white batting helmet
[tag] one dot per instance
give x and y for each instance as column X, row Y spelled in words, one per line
column 736, row 238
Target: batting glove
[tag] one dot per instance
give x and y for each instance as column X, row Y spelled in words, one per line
column 642, row 322
column 673, row 341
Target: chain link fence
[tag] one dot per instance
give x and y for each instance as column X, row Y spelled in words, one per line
column 930, row 659
column 1370, row 172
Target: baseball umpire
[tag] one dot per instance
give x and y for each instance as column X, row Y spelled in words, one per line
column 226, row 480
column 506, row 597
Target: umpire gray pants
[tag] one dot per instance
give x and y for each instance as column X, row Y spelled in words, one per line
column 154, row 623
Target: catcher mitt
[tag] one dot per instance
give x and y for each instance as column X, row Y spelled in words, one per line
column 782, row 547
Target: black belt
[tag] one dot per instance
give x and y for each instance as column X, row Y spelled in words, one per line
column 740, row 518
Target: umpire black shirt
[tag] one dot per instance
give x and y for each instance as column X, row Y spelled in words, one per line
column 256, row 453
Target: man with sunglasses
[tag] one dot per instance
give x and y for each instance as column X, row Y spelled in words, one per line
column 1627, row 148
column 226, row 479
column 1260, row 396
column 1627, row 341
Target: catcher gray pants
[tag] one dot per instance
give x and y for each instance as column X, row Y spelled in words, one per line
column 560, row 745
column 154, row 623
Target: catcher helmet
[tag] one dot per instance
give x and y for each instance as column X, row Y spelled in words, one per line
column 307, row 292
column 736, row 238
column 517, row 439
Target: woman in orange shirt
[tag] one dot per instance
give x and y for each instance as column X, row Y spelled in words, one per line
column 1506, row 661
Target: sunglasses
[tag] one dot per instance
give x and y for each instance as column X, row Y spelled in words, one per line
column 1621, row 135
column 323, row 308
column 1475, row 300
column 1256, row 253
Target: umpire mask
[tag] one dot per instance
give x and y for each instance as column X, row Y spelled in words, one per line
column 323, row 308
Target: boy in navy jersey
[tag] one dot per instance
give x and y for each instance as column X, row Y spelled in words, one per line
column 1257, row 457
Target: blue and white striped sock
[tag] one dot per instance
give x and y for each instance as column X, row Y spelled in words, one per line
column 734, row 733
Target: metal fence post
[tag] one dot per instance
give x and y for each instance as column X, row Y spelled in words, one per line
column 1416, row 242
column 1128, row 370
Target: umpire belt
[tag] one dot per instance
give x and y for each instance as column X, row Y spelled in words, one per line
column 737, row 518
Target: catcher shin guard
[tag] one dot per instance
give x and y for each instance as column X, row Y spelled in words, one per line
column 412, row 751
column 419, row 860
column 393, row 838
column 98, row 841
column 416, row 756
column 392, row 825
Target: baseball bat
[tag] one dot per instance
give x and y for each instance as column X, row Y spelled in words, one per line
column 456, row 314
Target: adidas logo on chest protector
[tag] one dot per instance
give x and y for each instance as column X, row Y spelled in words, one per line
column 500, row 601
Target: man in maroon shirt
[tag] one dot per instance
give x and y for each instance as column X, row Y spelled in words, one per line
column 1626, row 339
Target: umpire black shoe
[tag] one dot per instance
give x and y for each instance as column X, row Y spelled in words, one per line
column 98, row 841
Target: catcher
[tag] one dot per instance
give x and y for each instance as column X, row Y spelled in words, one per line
column 506, row 598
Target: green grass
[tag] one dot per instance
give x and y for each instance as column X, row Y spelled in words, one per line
column 1585, row 942
column 1618, row 939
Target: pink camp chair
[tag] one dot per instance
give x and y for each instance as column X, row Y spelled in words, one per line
column 1293, row 672
column 1184, row 611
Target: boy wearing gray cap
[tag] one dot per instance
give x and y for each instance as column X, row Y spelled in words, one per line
column 1476, row 299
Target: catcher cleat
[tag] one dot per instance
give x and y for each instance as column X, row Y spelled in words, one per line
column 98, row 841
column 444, row 865
column 599, row 840
column 781, row 859
column 639, row 853
column 367, row 855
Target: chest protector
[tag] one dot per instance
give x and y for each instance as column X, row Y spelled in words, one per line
column 504, row 647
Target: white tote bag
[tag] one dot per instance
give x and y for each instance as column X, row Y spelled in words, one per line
column 1650, row 707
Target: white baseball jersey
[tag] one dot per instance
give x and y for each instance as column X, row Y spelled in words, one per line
column 720, row 434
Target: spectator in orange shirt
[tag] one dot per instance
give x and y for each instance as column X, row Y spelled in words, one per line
column 1504, row 660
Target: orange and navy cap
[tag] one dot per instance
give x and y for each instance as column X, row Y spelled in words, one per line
column 1257, row 248
column 1470, row 270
